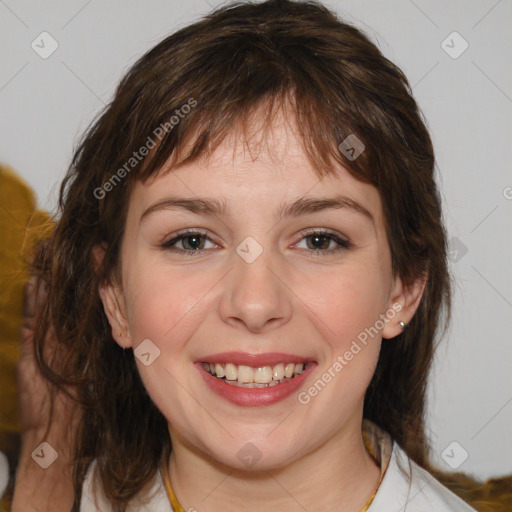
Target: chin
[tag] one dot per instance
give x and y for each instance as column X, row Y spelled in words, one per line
column 256, row 456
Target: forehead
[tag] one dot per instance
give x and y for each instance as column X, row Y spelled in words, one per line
column 255, row 168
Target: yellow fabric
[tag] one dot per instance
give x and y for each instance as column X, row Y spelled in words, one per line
column 21, row 226
column 175, row 504
column 377, row 446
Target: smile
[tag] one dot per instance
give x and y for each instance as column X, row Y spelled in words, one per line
column 253, row 380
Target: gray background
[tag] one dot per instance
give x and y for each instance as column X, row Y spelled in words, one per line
column 46, row 103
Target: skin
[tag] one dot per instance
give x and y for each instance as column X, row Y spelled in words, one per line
column 288, row 300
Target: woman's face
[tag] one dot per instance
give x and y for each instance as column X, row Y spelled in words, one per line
column 253, row 291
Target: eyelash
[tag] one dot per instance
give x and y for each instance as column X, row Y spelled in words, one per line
column 342, row 244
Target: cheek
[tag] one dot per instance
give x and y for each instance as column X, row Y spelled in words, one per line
column 165, row 307
column 347, row 300
column 160, row 302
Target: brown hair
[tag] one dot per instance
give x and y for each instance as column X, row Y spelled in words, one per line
column 233, row 61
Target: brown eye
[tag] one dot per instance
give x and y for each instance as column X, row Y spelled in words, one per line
column 321, row 243
column 192, row 243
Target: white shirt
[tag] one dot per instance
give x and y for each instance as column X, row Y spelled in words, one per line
column 406, row 487
column 410, row 490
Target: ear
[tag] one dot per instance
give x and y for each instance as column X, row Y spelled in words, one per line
column 404, row 301
column 112, row 297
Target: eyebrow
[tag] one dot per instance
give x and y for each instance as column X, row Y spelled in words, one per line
column 215, row 207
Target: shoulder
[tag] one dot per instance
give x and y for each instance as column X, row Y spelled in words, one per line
column 406, row 487
column 94, row 500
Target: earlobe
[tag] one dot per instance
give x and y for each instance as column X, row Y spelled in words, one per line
column 404, row 302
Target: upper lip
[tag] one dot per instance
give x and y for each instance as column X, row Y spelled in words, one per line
column 255, row 360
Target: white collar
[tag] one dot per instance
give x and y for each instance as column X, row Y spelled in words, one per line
column 405, row 486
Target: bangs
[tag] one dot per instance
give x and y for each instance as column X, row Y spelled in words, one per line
column 251, row 123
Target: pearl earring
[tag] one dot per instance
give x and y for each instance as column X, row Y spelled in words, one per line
column 402, row 325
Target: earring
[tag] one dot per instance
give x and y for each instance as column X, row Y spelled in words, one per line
column 402, row 325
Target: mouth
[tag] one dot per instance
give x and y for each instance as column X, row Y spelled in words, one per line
column 254, row 380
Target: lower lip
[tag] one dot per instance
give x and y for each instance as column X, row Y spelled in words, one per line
column 254, row 397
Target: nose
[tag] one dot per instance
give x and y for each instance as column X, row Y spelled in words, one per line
column 255, row 295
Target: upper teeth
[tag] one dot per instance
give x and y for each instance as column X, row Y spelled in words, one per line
column 264, row 375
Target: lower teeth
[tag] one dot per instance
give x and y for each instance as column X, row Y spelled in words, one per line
column 253, row 384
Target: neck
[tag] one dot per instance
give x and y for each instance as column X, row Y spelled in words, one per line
column 338, row 475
